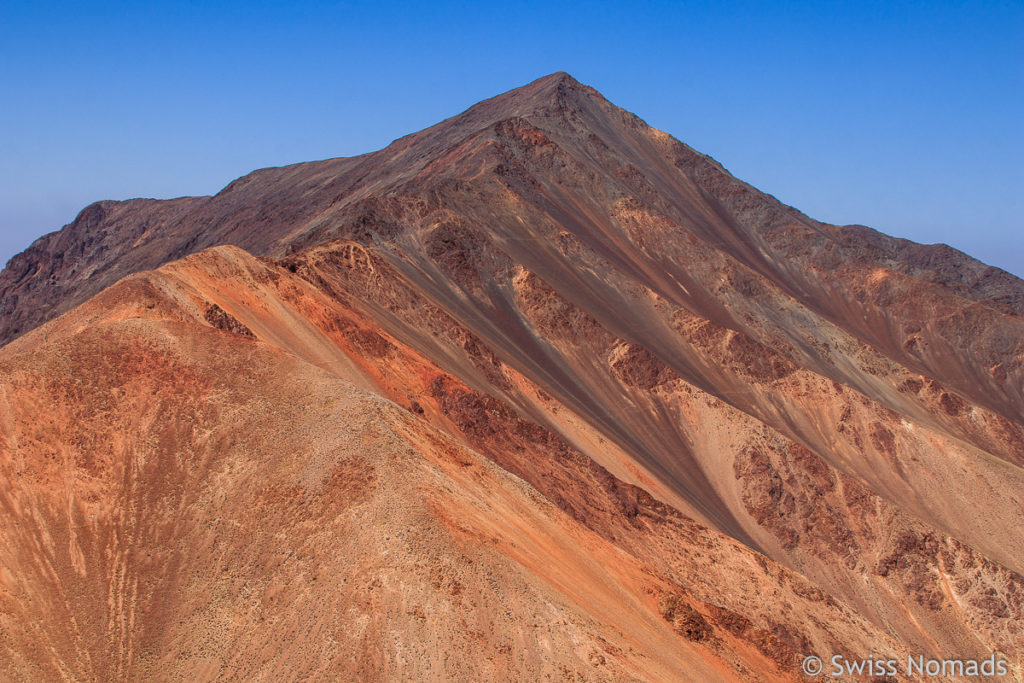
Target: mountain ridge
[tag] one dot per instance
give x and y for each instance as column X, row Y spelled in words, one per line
column 673, row 361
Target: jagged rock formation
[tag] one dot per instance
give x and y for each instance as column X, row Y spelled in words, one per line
column 539, row 391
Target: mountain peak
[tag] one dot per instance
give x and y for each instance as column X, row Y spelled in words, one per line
column 544, row 94
column 545, row 90
column 538, row 350
column 556, row 79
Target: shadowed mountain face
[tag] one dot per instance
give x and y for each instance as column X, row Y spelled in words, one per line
column 539, row 391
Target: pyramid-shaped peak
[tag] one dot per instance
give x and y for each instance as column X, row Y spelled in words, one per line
column 547, row 88
column 557, row 78
column 540, row 93
column 551, row 92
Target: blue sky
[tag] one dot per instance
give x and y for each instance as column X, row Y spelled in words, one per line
column 908, row 117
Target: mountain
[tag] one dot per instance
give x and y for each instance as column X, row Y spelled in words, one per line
column 539, row 391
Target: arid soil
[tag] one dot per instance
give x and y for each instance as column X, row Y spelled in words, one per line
column 539, row 393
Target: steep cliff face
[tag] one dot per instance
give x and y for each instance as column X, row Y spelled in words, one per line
column 665, row 420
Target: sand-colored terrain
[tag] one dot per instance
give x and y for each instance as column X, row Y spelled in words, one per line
column 536, row 393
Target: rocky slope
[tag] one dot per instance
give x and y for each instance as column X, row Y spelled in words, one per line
column 654, row 423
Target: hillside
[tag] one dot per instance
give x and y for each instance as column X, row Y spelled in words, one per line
column 538, row 391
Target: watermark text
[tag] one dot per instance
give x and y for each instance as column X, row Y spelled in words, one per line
column 914, row 665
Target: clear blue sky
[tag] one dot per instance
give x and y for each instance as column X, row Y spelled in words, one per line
column 908, row 117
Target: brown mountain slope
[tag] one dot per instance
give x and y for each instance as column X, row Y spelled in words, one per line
column 185, row 502
column 798, row 505
column 569, row 155
column 813, row 436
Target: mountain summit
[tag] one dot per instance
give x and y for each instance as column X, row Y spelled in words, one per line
column 539, row 391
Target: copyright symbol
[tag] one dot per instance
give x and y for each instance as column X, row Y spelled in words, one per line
column 812, row 665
